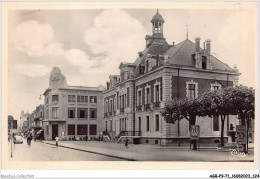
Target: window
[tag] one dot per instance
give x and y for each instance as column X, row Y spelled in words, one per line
column 93, row 112
column 71, row 112
column 71, row 98
column 123, row 101
column 157, row 93
column 82, row 129
column 139, row 98
column 155, row 27
column 140, row 123
column 157, row 62
column 93, row 99
column 82, row 112
column 148, row 96
column 191, row 91
column 82, row 99
column 215, row 123
column 71, row 129
column 215, row 87
column 55, row 98
column 115, row 104
column 54, row 112
column 157, row 122
column 110, row 105
column 147, row 65
column 147, row 123
column 47, row 113
column 204, row 62
column 93, row 129
column 106, row 106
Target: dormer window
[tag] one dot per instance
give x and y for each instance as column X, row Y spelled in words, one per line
column 157, row 61
column 147, row 65
column 204, row 62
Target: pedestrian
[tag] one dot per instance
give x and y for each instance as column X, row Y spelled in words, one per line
column 29, row 139
column 86, row 137
column 57, row 140
column 126, row 143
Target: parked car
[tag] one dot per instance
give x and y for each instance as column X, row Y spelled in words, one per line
column 18, row 139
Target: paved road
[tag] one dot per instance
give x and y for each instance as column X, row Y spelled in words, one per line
column 150, row 153
column 43, row 152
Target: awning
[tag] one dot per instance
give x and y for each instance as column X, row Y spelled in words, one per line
column 39, row 131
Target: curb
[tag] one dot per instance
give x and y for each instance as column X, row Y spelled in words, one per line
column 83, row 150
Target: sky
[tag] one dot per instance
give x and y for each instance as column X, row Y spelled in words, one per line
column 88, row 45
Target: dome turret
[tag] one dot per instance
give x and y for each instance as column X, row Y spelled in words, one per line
column 157, row 17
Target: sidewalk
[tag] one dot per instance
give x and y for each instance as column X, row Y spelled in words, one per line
column 150, row 152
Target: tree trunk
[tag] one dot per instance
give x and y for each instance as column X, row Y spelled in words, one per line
column 247, row 130
column 179, row 132
column 194, row 142
column 243, row 122
column 222, row 130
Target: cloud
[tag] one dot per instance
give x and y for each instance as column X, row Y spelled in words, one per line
column 31, row 37
column 117, row 36
column 238, row 39
column 31, row 70
column 75, row 57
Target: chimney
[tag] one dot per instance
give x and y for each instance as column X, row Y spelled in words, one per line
column 208, row 45
column 197, row 44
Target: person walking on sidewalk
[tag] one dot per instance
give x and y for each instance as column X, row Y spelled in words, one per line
column 86, row 137
column 57, row 140
column 126, row 143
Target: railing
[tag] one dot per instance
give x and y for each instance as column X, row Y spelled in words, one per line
column 139, row 108
column 157, row 104
column 107, row 134
column 147, row 107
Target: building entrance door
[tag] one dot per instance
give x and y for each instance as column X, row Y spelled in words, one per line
column 54, row 131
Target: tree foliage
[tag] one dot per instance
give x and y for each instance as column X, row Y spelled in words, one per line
column 239, row 101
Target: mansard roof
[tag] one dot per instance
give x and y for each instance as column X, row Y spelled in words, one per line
column 181, row 55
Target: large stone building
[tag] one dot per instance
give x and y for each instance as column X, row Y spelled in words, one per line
column 71, row 111
column 133, row 100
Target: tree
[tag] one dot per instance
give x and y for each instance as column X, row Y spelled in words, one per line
column 182, row 108
column 216, row 103
column 242, row 99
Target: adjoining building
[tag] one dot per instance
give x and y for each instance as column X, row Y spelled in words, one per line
column 38, row 115
column 71, row 111
column 24, row 122
column 133, row 100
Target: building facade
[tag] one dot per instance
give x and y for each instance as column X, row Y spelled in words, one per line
column 162, row 72
column 71, row 111
column 38, row 116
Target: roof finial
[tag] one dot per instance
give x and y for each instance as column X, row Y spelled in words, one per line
column 187, row 29
column 157, row 11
